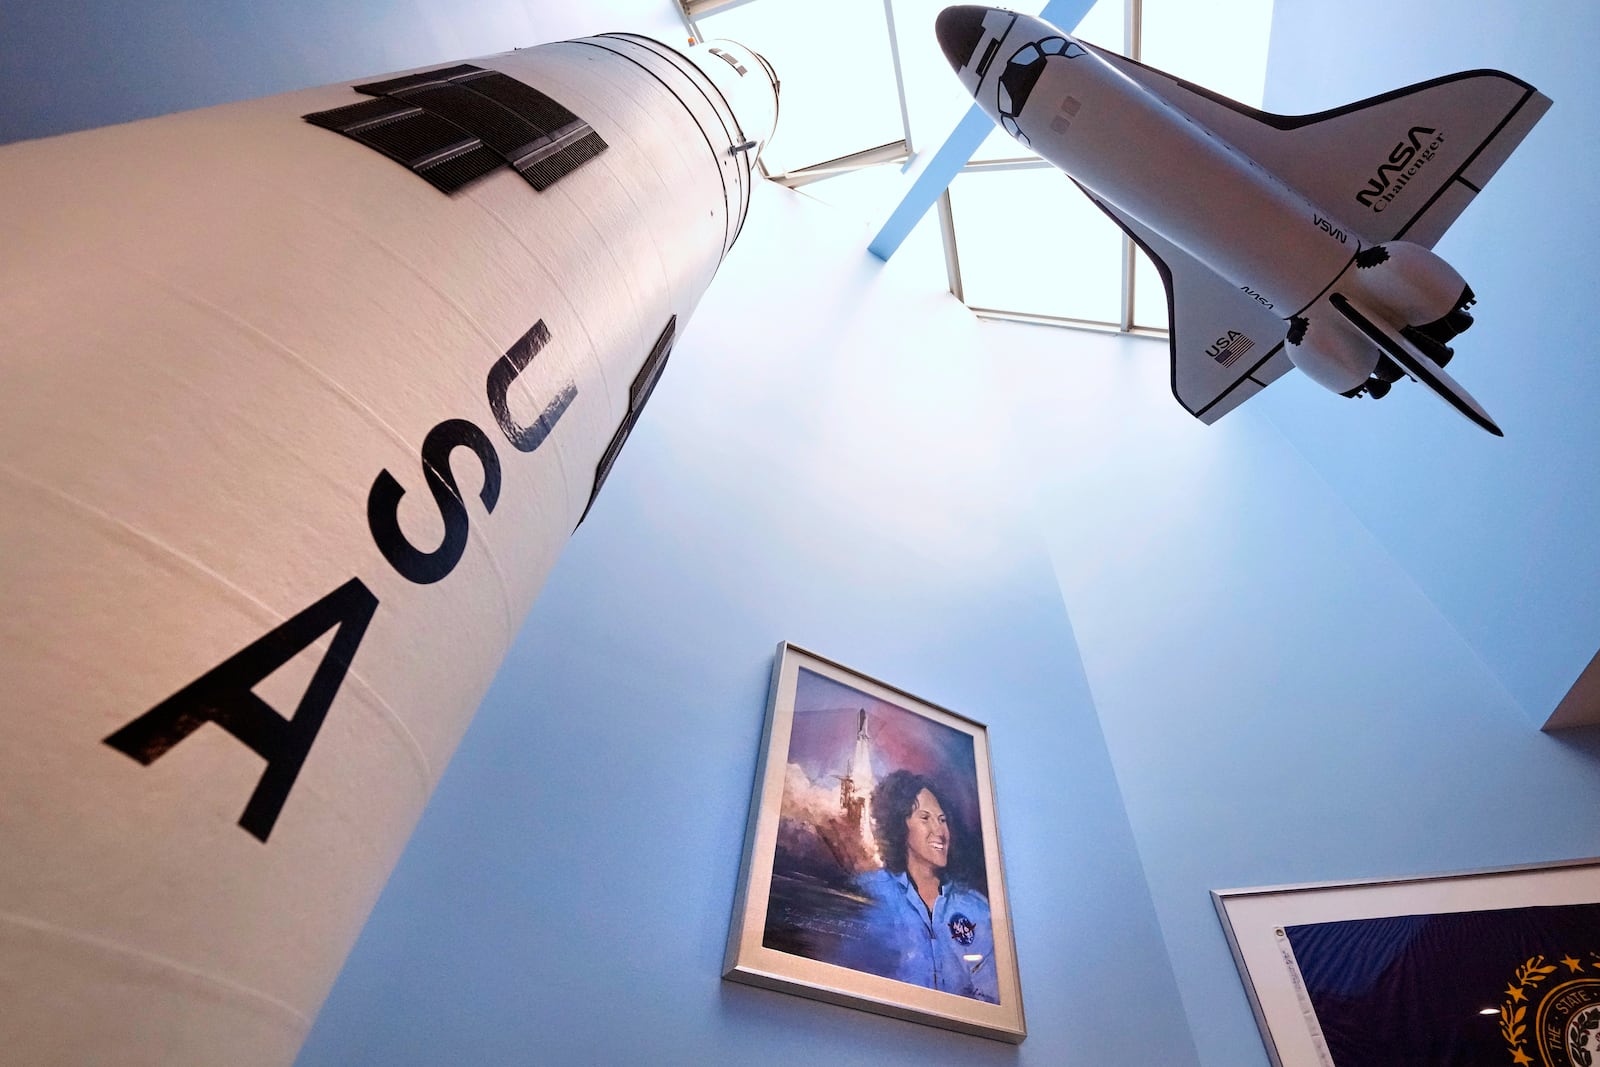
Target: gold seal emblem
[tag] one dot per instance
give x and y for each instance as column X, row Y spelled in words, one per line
column 1563, row 999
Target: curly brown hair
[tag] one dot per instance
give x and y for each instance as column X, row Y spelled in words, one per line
column 893, row 801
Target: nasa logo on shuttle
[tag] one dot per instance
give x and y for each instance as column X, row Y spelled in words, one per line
column 1405, row 160
column 1257, row 297
column 1330, row 229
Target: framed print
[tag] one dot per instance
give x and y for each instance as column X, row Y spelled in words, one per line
column 1497, row 966
column 872, row 875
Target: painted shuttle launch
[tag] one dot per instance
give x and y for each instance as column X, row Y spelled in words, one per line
column 302, row 398
column 1283, row 241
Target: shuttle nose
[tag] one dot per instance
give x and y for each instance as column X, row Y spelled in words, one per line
column 959, row 30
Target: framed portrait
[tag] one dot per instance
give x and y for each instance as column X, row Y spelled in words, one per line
column 872, row 875
column 1496, row 966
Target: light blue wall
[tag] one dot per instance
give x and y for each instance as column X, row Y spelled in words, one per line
column 1282, row 701
column 821, row 464
column 1320, row 633
column 1500, row 534
column 806, row 472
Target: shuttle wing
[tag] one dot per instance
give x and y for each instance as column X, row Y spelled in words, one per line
column 1226, row 345
column 1401, row 165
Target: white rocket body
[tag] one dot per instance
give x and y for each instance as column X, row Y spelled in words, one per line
column 1129, row 136
column 289, row 440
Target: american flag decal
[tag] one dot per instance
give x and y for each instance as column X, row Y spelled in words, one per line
column 1227, row 350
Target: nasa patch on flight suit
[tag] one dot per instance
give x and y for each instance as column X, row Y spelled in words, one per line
column 962, row 928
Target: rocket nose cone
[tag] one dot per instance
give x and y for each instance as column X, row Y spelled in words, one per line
column 959, row 30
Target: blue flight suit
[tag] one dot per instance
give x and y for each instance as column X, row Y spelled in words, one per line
column 929, row 950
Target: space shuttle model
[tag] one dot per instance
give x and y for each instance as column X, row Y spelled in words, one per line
column 1283, row 241
column 301, row 399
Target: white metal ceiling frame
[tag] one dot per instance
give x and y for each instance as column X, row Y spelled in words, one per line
column 1133, row 43
column 902, row 152
column 899, row 152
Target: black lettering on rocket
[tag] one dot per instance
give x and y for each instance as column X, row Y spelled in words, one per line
column 505, row 371
column 383, row 502
column 225, row 695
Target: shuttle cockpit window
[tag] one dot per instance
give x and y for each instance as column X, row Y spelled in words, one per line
column 1022, row 71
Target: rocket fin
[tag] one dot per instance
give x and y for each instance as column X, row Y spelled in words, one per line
column 1226, row 345
column 1345, row 160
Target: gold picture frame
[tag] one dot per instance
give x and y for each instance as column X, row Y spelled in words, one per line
column 872, row 874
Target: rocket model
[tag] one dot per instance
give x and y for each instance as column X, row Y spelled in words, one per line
column 302, row 398
column 862, row 778
column 1282, row 240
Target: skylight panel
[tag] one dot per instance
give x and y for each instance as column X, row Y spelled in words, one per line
column 934, row 96
column 1030, row 242
column 1025, row 241
column 1222, row 46
column 1149, row 295
column 832, row 57
column 1103, row 25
